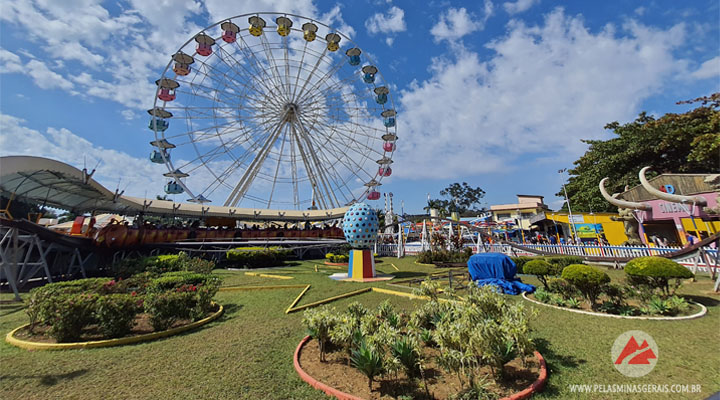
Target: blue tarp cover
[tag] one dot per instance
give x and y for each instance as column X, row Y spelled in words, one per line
column 496, row 269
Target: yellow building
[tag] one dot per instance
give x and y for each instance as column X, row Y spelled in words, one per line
column 586, row 226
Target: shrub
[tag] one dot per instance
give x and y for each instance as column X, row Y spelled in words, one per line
column 656, row 272
column 540, row 268
column 560, row 262
column 42, row 301
column 70, row 314
column 368, row 361
column 520, row 262
column 542, row 295
column 432, row 256
column 563, row 288
column 588, row 280
column 572, row 303
column 337, row 258
column 319, row 322
column 165, row 308
column 115, row 314
column 258, row 258
column 164, row 263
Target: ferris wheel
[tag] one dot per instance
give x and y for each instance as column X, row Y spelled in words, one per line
column 273, row 110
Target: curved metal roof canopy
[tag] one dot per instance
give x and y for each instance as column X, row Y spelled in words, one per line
column 59, row 185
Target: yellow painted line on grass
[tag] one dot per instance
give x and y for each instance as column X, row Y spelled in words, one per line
column 329, row 299
column 245, row 288
column 269, row 275
column 396, row 268
column 289, row 309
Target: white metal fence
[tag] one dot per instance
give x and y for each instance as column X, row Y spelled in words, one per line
column 711, row 254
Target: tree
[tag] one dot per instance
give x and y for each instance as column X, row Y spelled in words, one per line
column 462, row 198
column 679, row 143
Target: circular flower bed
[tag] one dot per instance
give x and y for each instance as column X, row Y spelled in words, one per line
column 699, row 311
column 305, row 356
column 17, row 336
column 471, row 347
column 99, row 309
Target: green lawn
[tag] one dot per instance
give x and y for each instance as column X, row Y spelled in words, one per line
column 247, row 353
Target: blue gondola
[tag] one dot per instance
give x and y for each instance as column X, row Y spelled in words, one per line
column 369, row 72
column 157, row 124
column 157, row 157
column 173, row 187
column 388, row 118
column 382, row 94
column 354, row 55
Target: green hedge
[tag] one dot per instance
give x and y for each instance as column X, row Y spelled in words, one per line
column 431, row 256
column 161, row 264
column 337, row 258
column 258, row 258
column 656, row 272
column 558, row 262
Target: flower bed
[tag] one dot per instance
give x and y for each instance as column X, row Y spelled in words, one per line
column 20, row 337
column 434, row 352
column 646, row 291
column 105, row 308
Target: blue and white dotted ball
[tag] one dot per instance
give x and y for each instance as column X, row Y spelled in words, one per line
column 360, row 226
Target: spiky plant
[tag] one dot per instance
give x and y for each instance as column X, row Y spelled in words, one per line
column 407, row 352
column 368, row 361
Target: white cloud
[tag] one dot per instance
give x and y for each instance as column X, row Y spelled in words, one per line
column 519, row 6
column 61, row 144
column 10, row 62
column 455, row 23
column 544, row 88
column 393, row 22
column 708, row 69
column 44, row 77
column 389, row 24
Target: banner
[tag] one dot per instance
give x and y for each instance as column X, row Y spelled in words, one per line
column 588, row 231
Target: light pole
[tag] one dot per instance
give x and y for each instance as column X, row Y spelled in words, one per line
column 519, row 219
column 567, row 199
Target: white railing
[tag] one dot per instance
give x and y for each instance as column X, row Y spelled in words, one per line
column 390, row 250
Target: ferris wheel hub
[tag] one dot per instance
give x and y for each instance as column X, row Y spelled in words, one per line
column 290, row 112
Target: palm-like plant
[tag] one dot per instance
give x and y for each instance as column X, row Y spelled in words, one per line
column 406, row 351
column 368, row 361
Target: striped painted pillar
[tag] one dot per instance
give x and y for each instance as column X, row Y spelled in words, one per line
column 361, row 265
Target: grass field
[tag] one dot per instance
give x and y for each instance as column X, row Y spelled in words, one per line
column 247, row 353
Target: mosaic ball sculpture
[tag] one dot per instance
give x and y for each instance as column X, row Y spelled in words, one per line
column 360, row 226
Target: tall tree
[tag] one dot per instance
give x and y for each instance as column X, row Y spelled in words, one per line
column 680, row 143
column 461, row 198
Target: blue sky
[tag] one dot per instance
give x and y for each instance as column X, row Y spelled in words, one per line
column 494, row 93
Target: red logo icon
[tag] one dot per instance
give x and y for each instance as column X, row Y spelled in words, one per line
column 643, row 357
column 633, row 359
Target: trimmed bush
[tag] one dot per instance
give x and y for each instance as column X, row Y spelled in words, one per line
column 520, row 262
column 588, row 280
column 337, row 258
column 161, row 264
column 258, row 258
column 560, row 262
column 432, row 256
column 43, row 300
column 115, row 314
column 656, row 272
column 540, row 268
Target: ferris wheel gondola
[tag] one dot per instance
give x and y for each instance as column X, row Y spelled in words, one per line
column 273, row 115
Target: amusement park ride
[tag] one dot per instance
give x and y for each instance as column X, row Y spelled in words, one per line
column 273, row 115
column 264, row 110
